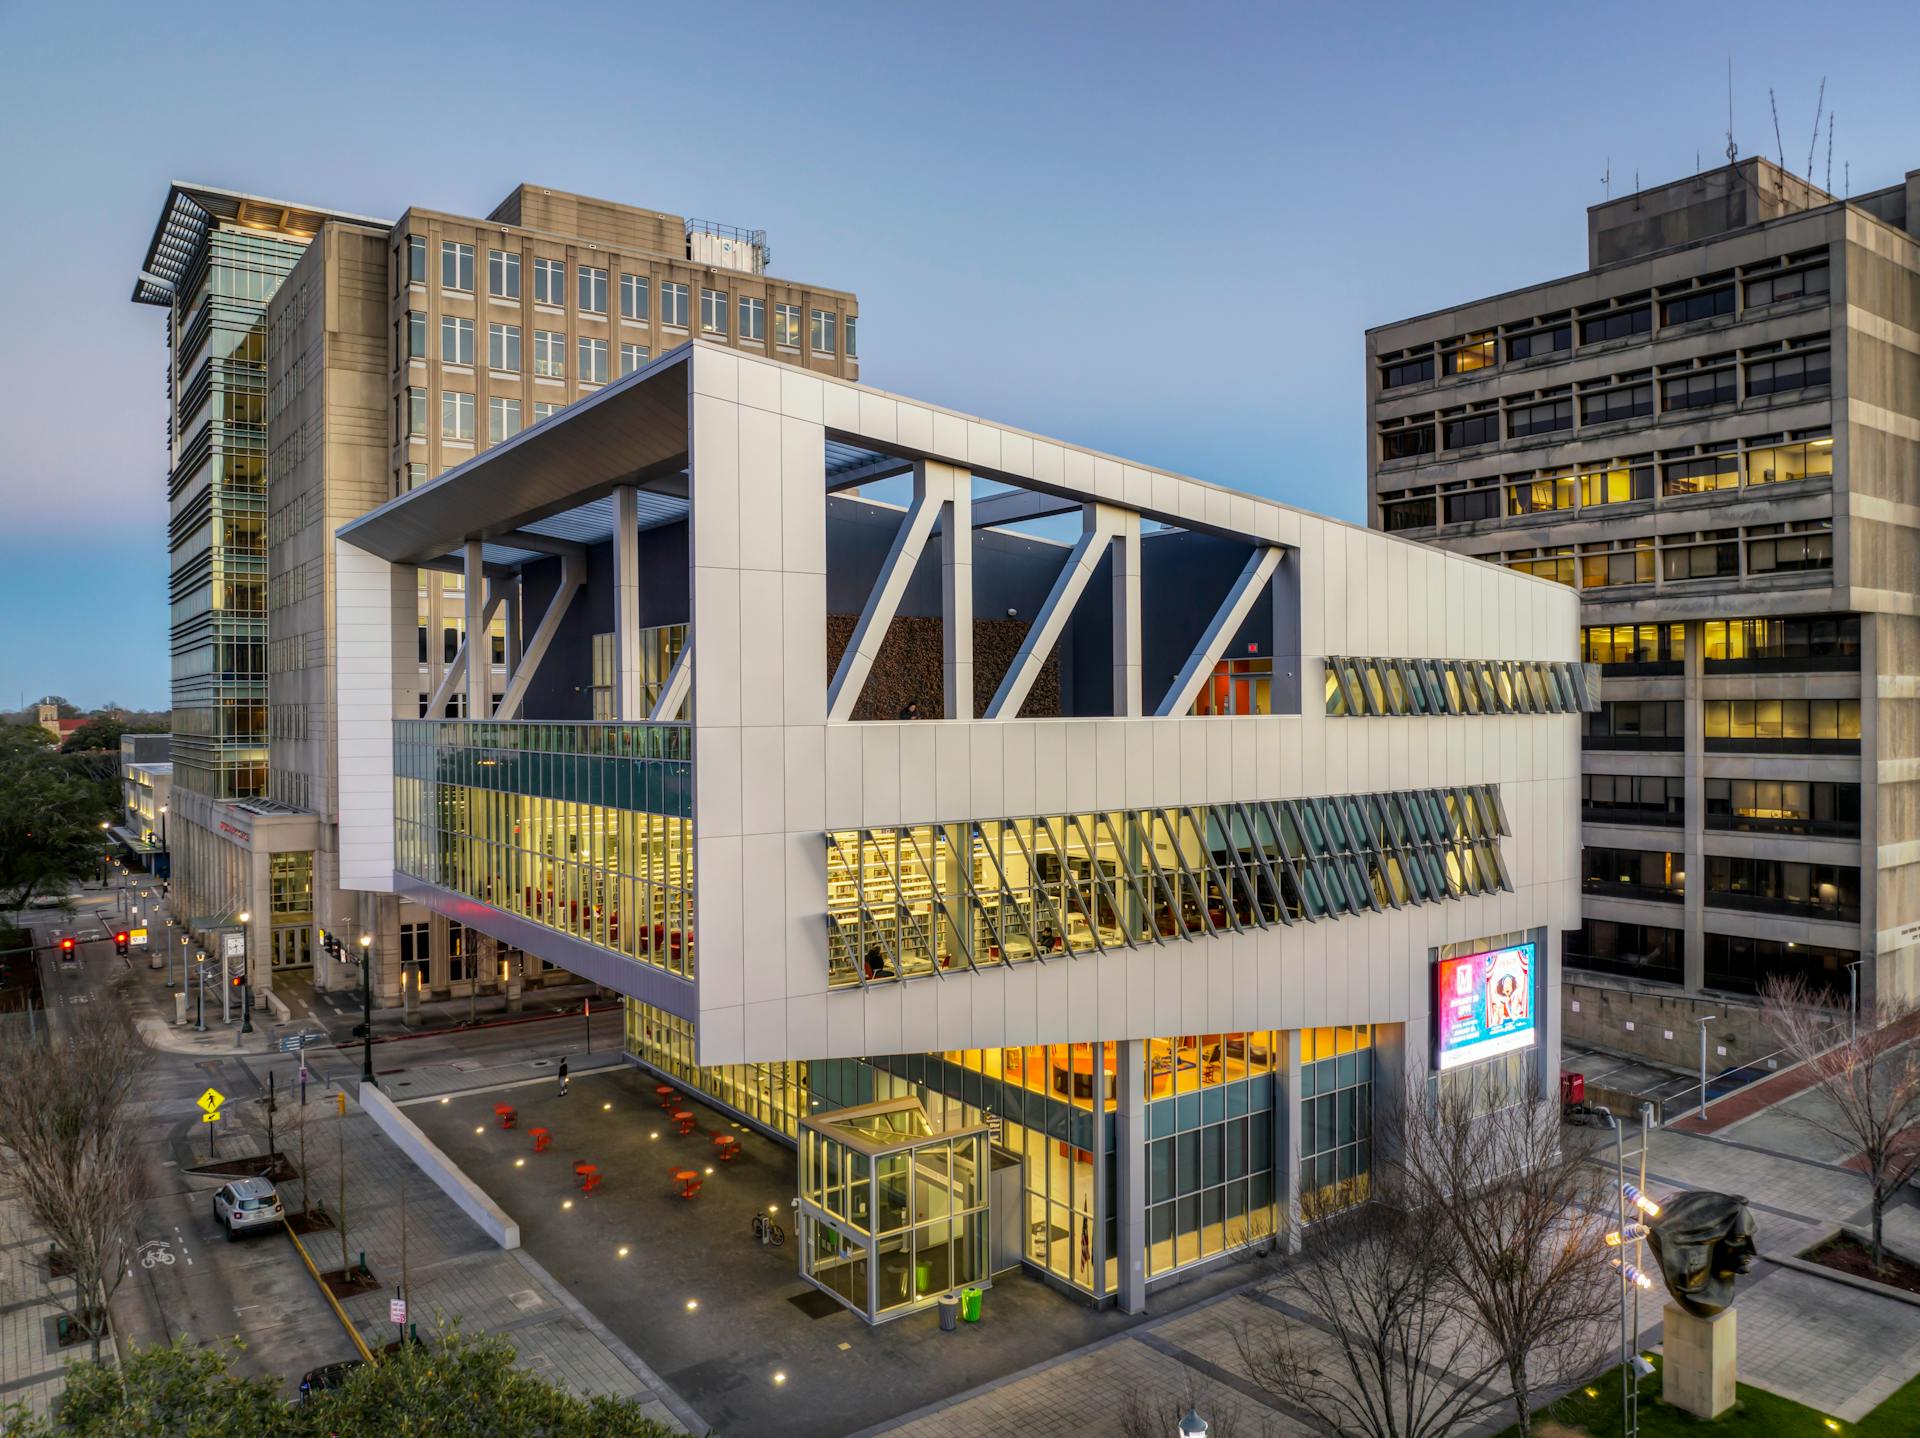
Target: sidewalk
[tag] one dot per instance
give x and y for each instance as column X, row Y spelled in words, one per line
column 33, row 1367
column 452, row 1271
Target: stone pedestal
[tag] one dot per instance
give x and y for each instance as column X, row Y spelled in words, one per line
column 1699, row 1369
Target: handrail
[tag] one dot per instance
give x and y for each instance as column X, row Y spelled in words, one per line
column 366, row 1354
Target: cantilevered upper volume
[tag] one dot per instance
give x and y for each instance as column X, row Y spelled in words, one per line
column 929, row 773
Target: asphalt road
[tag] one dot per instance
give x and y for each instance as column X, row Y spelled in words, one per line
column 186, row 1279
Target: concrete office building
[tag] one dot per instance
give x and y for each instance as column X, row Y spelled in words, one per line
column 321, row 362
column 1128, row 927
column 1712, row 435
column 146, row 789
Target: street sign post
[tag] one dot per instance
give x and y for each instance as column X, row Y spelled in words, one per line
column 209, row 1104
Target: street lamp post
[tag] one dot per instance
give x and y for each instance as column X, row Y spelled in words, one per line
column 366, row 1008
column 1703, row 1060
column 200, row 968
column 246, row 978
column 1853, row 1001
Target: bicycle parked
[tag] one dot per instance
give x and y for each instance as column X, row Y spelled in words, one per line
column 766, row 1232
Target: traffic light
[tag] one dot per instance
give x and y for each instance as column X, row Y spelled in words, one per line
column 120, row 942
column 236, row 980
column 66, row 947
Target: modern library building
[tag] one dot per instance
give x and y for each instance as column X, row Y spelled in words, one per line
column 1065, row 855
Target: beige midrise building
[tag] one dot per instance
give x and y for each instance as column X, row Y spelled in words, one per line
column 1713, row 435
column 319, row 363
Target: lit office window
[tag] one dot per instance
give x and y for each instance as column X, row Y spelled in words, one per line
column 456, row 340
column 549, row 282
column 753, row 318
column 503, row 347
column 632, row 357
column 713, row 311
column 549, row 353
column 786, row 325
column 503, row 419
column 824, row 340
column 456, row 265
column 633, row 297
column 593, row 290
column 503, row 274
column 456, row 415
column 673, row 304
column 593, row 360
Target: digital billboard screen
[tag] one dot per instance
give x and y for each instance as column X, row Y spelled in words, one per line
column 1483, row 1005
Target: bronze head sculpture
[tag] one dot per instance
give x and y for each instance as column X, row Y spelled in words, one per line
column 1703, row 1241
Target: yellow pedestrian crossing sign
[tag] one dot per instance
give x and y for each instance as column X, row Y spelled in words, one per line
column 211, row 1100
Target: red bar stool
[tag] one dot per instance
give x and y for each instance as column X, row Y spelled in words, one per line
column 505, row 1113
column 542, row 1139
column 727, row 1146
column 689, row 1181
column 589, row 1176
column 669, row 1097
column 684, row 1121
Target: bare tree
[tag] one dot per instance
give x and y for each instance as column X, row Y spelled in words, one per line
column 76, row 1164
column 1158, row 1415
column 1517, row 1220
column 1383, row 1351
column 1870, row 1081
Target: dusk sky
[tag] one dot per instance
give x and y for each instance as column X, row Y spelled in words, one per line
column 1159, row 231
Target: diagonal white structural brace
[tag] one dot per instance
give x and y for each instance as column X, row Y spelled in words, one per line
column 1099, row 525
column 456, row 670
column 674, row 692
column 1226, row 623
column 933, row 490
column 573, row 574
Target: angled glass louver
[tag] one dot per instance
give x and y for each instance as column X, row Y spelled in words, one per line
column 930, row 898
column 1373, row 688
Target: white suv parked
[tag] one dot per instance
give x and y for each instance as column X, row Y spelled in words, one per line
column 246, row 1203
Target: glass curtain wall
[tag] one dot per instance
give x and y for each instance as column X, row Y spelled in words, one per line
column 1336, row 1118
column 585, row 828
column 942, row 896
column 217, row 521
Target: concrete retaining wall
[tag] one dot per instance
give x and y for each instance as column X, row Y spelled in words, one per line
column 428, row 1158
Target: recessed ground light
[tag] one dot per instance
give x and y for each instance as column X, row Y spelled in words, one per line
column 653, row 1135
column 709, row 1171
column 779, row 1378
column 773, row 1208
column 692, row 1303
column 519, row 1163
column 623, row 1253
column 446, row 1100
column 566, row 1203
column 481, row 1129
column 606, row 1106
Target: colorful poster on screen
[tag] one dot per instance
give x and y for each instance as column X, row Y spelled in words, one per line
column 1483, row 1006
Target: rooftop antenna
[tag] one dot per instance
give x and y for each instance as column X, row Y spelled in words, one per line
column 1606, row 178
column 1778, row 143
column 1733, row 150
column 1828, row 187
column 1815, row 141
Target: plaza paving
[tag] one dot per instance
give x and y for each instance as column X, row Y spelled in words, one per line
column 721, row 1356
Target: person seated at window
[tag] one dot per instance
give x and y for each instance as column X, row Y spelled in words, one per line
column 910, row 710
column 1049, row 938
column 876, row 964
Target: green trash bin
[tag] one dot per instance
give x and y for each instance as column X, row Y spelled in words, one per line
column 970, row 1305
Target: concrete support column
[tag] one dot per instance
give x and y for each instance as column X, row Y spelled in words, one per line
column 514, row 617
column 956, row 593
column 516, row 981
column 479, row 647
column 1126, row 619
column 1694, row 926
column 259, row 907
column 1286, row 1142
column 1130, row 1202
column 627, row 702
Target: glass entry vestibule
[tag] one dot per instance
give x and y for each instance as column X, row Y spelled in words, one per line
column 893, row 1212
